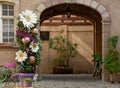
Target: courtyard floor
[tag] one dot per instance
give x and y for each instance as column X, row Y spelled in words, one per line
column 71, row 81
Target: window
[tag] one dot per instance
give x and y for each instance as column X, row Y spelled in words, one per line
column 44, row 35
column 7, row 23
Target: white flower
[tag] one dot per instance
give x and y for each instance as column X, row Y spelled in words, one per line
column 21, row 56
column 28, row 18
column 34, row 47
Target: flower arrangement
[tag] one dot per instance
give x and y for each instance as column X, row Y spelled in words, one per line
column 27, row 37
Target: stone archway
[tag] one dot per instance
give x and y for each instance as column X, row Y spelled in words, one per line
column 101, row 19
column 80, row 10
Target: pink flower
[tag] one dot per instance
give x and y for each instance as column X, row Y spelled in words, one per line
column 35, row 30
column 32, row 59
column 25, row 40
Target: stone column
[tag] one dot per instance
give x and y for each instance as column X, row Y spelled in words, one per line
column 106, row 28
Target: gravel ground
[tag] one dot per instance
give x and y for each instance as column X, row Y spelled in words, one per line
column 70, row 81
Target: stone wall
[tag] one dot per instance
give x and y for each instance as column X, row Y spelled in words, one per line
column 7, row 54
column 113, row 9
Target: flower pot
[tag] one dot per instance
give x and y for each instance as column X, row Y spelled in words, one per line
column 26, row 84
column 23, row 76
column 115, row 77
column 111, row 78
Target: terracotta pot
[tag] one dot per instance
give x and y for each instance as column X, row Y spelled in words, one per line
column 115, row 77
column 63, row 70
column 111, row 78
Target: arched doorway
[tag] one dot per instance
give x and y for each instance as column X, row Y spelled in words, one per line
column 75, row 9
column 80, row 10
column 75, row 30
column 97, row 14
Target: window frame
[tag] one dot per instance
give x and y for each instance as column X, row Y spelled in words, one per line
column 1, row 22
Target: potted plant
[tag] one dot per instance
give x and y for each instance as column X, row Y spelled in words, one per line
column 28, row 55
column 65, row 50
column 97, row 59
column 112, row 60
column 27, row 82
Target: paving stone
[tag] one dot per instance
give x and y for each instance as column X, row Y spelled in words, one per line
column 70, row 81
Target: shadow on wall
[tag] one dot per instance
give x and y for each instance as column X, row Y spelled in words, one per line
column 83, row 66
column 84, row 59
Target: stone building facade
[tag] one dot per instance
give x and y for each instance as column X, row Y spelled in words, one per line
column 102, row 14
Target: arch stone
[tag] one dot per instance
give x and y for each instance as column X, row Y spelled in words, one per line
column 87, row 2
column 90, row 3
column 94, row 4
column 106, row 22
column 41, row 7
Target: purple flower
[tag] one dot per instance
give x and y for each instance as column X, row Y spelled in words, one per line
column 27, row 50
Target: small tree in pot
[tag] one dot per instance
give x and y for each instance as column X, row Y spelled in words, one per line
column 64, row 48
column 112, row 60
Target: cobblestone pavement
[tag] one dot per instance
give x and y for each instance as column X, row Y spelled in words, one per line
column 71, row 81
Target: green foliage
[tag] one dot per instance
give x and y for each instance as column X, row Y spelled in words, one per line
column 112, row 60
column 9, row 71
column 3, row 75
column 26, row 69
column 64, row 48
column 112, row 42
column 27, row 80
column 98, row 57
